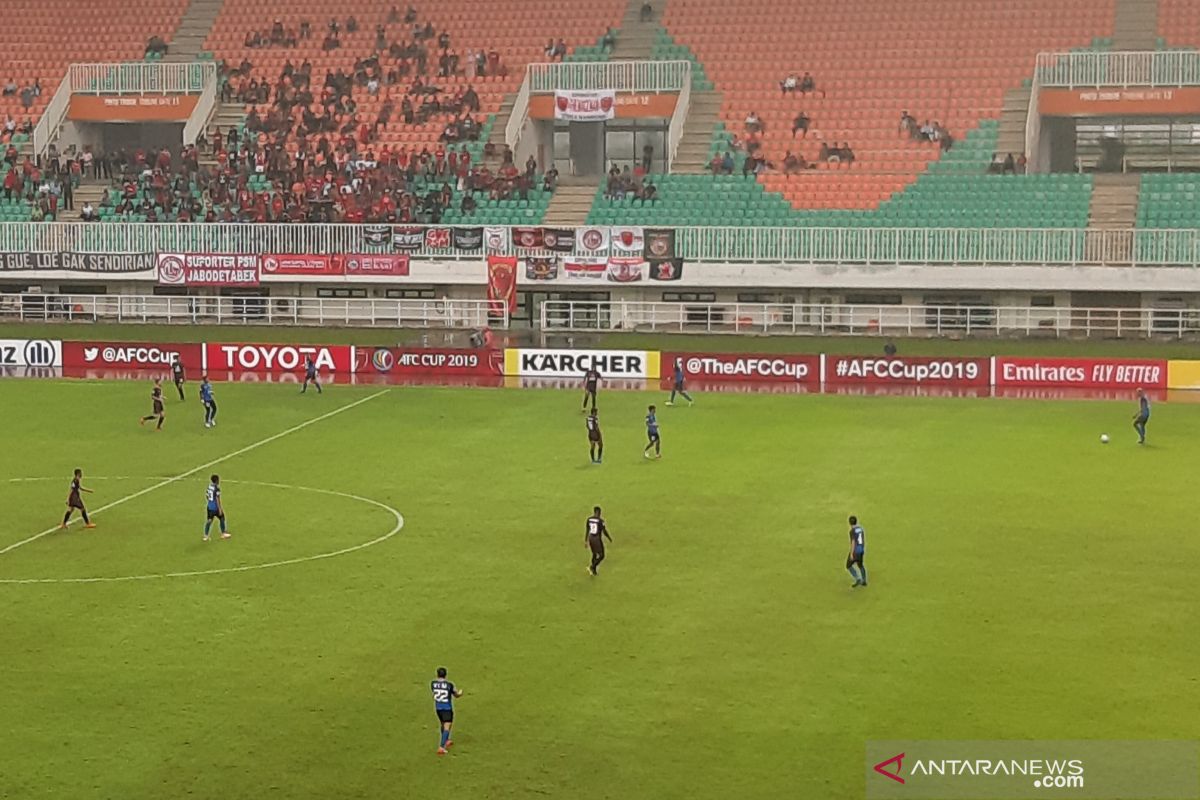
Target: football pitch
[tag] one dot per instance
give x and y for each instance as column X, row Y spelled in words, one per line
column 1026, row 582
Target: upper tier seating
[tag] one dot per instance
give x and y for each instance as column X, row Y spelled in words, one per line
column 1179, row 23
column 41, row 38
column 951, row 64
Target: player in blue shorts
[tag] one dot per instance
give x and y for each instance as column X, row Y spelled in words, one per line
column 652, row 434
column 310, row 375
column 210, row 405
column 216, row 509
column 858, row 548
column 1142, row 416
column 444, row 693
column 679, row 377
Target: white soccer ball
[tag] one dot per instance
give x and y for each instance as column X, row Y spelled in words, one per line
column 1104, row 438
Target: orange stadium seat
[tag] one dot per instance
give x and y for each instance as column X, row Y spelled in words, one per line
column 1179, row 23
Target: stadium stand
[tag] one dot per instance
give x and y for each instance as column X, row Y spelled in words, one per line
column 1178, row 23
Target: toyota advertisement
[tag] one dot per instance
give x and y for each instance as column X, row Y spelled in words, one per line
column 919, row 370
column 1081, row 373
column 783, row 368
column 270, row 358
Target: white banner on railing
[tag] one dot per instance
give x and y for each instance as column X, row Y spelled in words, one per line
column 574, row 106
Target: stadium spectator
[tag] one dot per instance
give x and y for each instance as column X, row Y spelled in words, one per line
column 1022, row 163
column 647, row 12
column 800, row 123
column 792, row 163
column 908, row 124
column 788, row 85
column 649, row 192
column 808, row 85
column 1010, row 165
column 754, row 123
column 550, row 179
column 727, row 163
column 609, row 40
column 647, row 157
column 155, row 46
column 89, row 213
column 27, row 97
column 10, row 88
column 305, row 29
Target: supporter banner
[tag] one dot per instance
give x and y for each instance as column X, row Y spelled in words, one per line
column 1115, row 101
column 627, row 241
column 134, row 355
column 559, row 239
column 467, row 238
column 669, row 269
column 778, row 368
column 660, row 243
column 529, row 238
column 945, row 371
column 364, row 265
column 579, row 106
column 502, row 284
column 407, row 238
column 629, row 105
column 496, row 238
column 626, row 270
column 31, row 353
column 593, row 240
column 131, row 107
column 276, row 357
column 377, row 235
column 437, row 238
column 108, row 263
column 588, row 268
column 207, row 269
column 1085, row 373
column 1183, row 374
column 301, row 265
column 611, row 364
column 401, row 361
column 541, row 268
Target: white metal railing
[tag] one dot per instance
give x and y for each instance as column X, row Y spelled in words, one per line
column 619, row 76
column 274, row 310
column 198, row 120
column 518, row 116
column 921, row 246
column 1099, row 69
column 875, row 320
column 678, row 120
column 46, row 130
column 141, row 77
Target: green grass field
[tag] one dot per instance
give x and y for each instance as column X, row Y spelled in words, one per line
column 1026, row 582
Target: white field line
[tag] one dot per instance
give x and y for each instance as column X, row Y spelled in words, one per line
column 202, row 467
column 246, row 567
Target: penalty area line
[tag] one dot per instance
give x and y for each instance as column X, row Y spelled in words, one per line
column 202, row 467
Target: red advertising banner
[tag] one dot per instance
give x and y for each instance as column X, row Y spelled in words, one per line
column 1084, row 373
column 275, row 264
column 400, row 361
column 922, row 371
column 763, row 368
column 387, row 265
column 207, row 269
column 271, row 358
column 134, row 355
column 502, row 284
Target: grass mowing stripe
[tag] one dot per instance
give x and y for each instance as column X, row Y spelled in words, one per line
column 213, row 463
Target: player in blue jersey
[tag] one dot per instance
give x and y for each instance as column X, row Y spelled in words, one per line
column 652, row 434
column 216, row 509
column 444, row 693
column 210, row 405
column 310, row 375
column 858, row 548
column 679, row 377
column 1142, row 416
column 595, row 438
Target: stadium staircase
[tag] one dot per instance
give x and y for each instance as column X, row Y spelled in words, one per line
column 636, row 39
column 187, row 44
column 1014, row 117
column 1114, row 206
column 1135, row 25
column 88, row 191
column 570, row 204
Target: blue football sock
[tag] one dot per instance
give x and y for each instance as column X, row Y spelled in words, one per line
column 445, row 736
column 222, row 524
column 864, row 574
column 853, row 574
column 207, row 527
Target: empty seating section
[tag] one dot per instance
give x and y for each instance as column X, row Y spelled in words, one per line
column 517, row 32
column 1169, row 201
column 41, row 38
column 1178, row 23
column 949, row 63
